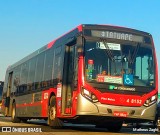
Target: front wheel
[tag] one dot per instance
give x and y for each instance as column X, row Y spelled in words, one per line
column 53, row 121
column 114, row 127
column 24, row 120
column 111, row 126
column 14, row 118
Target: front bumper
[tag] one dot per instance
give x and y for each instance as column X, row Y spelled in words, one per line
column 85, row 107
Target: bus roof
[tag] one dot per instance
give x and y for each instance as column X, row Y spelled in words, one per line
column 78, row 29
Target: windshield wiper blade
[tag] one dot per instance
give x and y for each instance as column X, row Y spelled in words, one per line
column 108, row 51
column 134, row 54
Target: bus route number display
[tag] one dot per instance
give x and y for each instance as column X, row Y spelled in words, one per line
column 117, row 35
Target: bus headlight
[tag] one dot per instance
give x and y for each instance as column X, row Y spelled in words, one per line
column 151, row 100
column 89, row 95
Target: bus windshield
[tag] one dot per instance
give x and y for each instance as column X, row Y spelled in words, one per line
column 129, row 64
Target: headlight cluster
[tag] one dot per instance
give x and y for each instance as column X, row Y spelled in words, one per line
column 151, row 100
column 89, row 95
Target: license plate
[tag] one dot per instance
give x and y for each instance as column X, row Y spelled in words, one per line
column 120, row 114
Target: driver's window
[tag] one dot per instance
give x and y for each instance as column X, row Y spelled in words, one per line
column 144, row 69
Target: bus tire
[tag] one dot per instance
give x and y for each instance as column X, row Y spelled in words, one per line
column 24, row 120
column 53, row 121
column 111, row 126
column 114, row 127
column 14, row 118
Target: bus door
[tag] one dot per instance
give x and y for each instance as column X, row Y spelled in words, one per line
column 68, row 79
column 9, row 86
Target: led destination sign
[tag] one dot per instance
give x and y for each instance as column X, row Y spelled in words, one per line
column 117, row 35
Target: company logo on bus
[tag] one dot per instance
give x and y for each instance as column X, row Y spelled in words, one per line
column 112, row 87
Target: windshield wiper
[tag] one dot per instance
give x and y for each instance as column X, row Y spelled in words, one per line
column 109, row 54
column 108, row 51
column 132, row 59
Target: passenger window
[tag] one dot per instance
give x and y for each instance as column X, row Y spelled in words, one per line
column 39, row 70
column 48, row 68
column 31, row 75
column 57, row 70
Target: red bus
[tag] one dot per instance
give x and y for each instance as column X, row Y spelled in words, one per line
column 95, row 74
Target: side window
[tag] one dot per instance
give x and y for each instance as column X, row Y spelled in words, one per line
column 31, row 74
column 4, row 94
column 75, row 68
column 144, row 68
column 71, row 69
column 13, row 89
column 23, row 77
column 16, row 79
column 145, row 74
column 57, row 68
column 138, row 67
column 39, row 70
column 48, row 68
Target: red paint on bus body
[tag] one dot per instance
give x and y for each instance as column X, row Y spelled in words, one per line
column 156, row 65
column 80, row 27
column 52, row 42
column 29, row 104
column 43, row 103
column 80, row 72
column 46, row 94
column 120, row 99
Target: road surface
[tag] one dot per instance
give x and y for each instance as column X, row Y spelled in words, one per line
column 69, row 129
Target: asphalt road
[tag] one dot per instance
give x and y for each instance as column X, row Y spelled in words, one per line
column 69, row 129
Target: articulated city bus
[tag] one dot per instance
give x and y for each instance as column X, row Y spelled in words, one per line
column 94, row 74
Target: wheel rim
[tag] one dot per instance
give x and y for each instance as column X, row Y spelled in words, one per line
column 52, row 113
